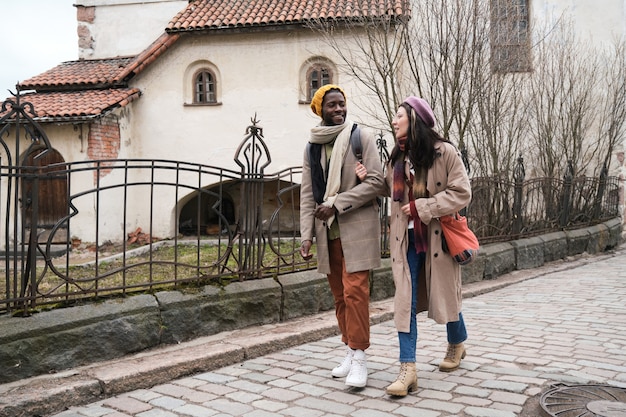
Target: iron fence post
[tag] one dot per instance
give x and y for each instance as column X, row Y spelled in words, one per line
column 597, row 209
column 383, row 153
column 519, row 174
column 567, row 195
column 253, row 157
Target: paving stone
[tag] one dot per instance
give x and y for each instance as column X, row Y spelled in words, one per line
column 487, row 412
column 194, row 410
column 127, row 404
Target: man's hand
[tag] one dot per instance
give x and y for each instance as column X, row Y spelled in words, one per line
column 305, row 248
column 324, row 213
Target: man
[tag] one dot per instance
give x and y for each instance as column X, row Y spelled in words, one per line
column 341, row 212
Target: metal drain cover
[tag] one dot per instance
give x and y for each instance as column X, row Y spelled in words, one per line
column 584, row 401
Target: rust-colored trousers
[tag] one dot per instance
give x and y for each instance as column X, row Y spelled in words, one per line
column 351, row 292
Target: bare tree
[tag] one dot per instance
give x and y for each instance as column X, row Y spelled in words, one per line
column 611, row 111
column 370, row 49
column 441, row 54
column 499, row 133
column 446, row 50
column 567, row 107
column 562, row 104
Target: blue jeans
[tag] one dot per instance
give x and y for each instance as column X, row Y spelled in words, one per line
column 457, row 333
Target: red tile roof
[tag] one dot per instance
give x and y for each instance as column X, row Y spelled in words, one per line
column 218, row 15
column 67, row 106
column 83, row 89
column 78, row 75
column 98, row 73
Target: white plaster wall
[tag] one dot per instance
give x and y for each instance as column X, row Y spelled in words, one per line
column 259, row 74
column 115, row 220
column 127, row 27
column 600, row 21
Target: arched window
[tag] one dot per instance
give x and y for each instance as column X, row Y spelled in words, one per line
column 204, row 87
column 318, row 75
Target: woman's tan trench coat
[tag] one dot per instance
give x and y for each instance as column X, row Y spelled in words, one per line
column 439, row 283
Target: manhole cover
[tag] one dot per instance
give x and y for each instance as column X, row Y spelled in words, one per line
column 584, row 401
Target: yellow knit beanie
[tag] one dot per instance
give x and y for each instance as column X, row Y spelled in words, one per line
column 316, row 102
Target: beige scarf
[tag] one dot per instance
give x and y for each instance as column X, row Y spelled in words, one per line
column 326, row 134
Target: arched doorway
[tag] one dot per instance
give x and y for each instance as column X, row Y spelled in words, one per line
column 50, row 203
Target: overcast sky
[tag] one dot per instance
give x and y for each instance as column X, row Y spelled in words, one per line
column 36, row 36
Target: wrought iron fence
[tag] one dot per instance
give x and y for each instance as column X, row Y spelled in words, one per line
column 224, row 224
column 503, row 209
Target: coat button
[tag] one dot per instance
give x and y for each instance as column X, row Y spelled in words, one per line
column 439, row 184
column 436, row 254
column 436, row 232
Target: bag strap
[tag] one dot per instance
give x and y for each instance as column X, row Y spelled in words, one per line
column 355, row 142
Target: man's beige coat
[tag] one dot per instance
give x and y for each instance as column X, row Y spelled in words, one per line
column 439, row 288
column 357, row 211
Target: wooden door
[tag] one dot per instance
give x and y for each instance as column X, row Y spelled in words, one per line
column 52, row 204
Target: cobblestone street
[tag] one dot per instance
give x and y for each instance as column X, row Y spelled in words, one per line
column 566, row 325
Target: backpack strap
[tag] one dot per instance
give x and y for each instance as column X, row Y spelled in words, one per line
column 355, row 143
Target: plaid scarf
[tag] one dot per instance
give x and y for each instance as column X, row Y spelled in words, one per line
column 420, row 230
column 398, row 174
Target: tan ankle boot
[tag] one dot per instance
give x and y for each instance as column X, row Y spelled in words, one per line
column 406, row 382
column 453, row 357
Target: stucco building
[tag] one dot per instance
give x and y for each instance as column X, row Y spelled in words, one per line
column 180, row 80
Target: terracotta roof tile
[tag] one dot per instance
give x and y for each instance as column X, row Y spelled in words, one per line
column 156, row 49
column 98, row 73
column 82, row 73
column 76, row 105
column 214, row 15
column 83, row 89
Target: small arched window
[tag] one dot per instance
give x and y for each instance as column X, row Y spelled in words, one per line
column 204, row 87
column 317, row 76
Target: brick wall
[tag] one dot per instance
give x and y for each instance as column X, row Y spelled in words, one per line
column 103, row 141
column 85, row 16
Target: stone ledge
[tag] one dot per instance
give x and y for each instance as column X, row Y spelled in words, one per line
column 58, row 340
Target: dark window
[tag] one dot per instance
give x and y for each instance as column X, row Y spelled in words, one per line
column 204, row 87
column 510, row 36
column 317, row 76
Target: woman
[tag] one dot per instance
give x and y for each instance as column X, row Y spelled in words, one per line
column 426, row 179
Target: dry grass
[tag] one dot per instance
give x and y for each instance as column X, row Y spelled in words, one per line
column 87, row 275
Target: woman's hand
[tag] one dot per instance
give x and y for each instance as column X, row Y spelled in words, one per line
column 361, row 171
column 406, row 209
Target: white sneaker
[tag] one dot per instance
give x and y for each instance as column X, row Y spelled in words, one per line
column 358, row 370
column 343, row 369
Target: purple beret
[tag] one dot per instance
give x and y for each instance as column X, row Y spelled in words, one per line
column 423, row 110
